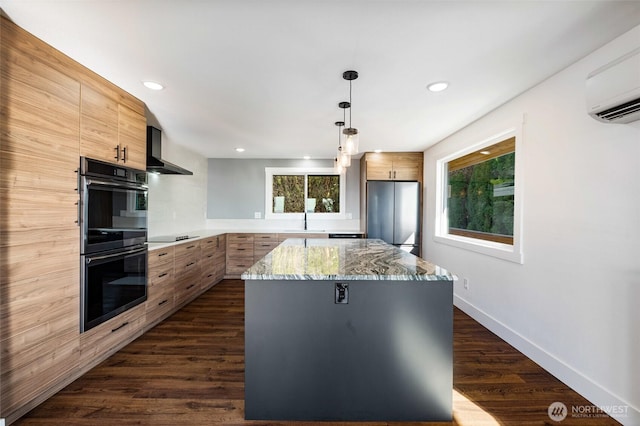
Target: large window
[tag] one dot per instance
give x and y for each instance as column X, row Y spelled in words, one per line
column 481, row 193
column 478, row 198
column 291, row 191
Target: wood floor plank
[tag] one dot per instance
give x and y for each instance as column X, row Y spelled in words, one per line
column 189, row 370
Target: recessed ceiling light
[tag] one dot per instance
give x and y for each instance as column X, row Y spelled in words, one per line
column 377, row 151
column 485, row 152
column 306, row 157
column 239, row 149
column 438, row 86
column 153, row 85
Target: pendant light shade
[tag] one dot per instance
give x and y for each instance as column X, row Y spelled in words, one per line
column 351, row 143
column 343, row 158
column 351, row 140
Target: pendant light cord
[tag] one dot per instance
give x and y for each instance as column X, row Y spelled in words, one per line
column 350, row 104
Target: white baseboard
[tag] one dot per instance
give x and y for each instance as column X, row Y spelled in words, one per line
column 617, row 408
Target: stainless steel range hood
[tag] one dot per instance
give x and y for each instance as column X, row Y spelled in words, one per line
column 155, row 163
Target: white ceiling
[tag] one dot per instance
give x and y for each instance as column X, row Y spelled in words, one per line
column 267, row 75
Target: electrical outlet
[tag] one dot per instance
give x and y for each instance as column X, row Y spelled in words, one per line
column 257, row 215
column 465, row 282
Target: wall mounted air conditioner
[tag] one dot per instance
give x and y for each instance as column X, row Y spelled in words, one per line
column 613, row 90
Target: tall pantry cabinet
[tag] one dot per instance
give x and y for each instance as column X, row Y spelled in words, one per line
column 45, row 125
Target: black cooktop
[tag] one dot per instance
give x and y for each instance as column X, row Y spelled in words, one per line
column 170, row 238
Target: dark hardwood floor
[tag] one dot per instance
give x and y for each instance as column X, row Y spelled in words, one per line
column 189, row 370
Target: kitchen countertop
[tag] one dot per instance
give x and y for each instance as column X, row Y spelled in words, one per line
column 338, row 259
column 206, row 233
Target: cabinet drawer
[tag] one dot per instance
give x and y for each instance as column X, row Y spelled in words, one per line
column 211, row 244
column 244, row 249
column 161, row 256
column 187, row 267
column 262, row 252
column 238, row 266
column 111, row 335
column 265, row 238
column 158, row 306
column 187, row 249
column 240, row 238
column 265, row 245
column 186, row 290
column 160, row 276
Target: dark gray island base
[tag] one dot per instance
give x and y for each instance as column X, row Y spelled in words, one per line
column 347, row 330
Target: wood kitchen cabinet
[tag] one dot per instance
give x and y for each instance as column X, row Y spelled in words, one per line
column 113, row 127
column 245, row 249
column 132, row 136
column 53, row 111
column 404, row 166
column 160, row 285
column 212, row 258
column 239, row 254
column 40, row 290
column 105, row 339
column 187, row 272
column 263, row 244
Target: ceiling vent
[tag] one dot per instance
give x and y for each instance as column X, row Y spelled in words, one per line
column 613, row 90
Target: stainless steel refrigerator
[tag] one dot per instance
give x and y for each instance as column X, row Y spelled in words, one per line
column 393, row 213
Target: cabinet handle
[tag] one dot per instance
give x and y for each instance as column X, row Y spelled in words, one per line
column 163, row 302
column 389, row 174
column 119, row 327
column 124, row 154
column 163, row 254
column 190, row 286
column 241, row 249
column 117, row 157
column 162, row 275
column 192, row 263
column 394, row 174
column 190, row 247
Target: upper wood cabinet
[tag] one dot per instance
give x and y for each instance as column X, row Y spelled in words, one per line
column 405, row 166
column 132, row 137
column 113, row 127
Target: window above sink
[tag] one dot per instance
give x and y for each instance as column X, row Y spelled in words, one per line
column 292, row 192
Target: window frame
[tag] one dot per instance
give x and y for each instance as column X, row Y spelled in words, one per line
column 305, row 171
column 501, row 250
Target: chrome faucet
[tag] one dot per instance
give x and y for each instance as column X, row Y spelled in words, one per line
column 305, row 221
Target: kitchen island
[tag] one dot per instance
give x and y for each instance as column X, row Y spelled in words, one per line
column 354, row 330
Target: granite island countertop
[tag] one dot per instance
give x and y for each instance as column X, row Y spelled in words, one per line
column 342, row 259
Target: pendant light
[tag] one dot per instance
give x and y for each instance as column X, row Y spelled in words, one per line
column 343, row 158
column 338, row 167
column 352, row 137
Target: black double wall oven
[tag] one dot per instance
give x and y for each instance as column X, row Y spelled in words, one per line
column 113, row 233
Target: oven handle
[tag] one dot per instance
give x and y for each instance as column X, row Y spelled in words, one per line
column 90, row 259
column 115, row 184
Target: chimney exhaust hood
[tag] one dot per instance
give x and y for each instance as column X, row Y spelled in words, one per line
column 155, row 163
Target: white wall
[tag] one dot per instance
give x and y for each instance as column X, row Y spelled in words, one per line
column 178, row 203
column 573, row 306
